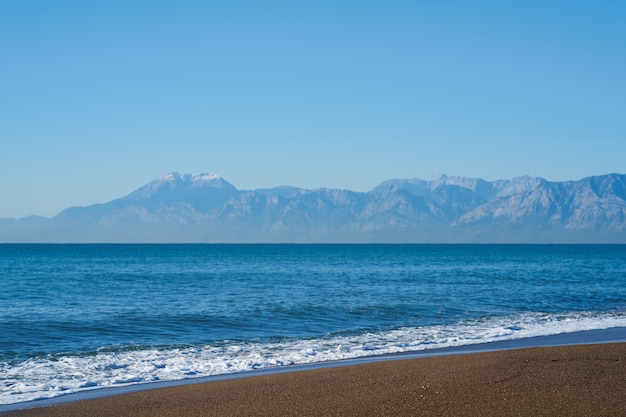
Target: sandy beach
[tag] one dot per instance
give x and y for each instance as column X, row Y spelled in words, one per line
column 582, row 380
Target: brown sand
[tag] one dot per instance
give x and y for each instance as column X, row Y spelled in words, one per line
column 585, row 380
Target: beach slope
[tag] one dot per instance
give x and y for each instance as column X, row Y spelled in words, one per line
column 582, row 380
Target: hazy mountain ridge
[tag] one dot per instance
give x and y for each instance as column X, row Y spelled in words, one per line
column 206, row 208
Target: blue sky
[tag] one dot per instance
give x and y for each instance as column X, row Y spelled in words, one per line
column 99, row 98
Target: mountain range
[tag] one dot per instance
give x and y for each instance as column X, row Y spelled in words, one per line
column 206, row 208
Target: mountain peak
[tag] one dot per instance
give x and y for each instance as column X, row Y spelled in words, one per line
column 179, row 184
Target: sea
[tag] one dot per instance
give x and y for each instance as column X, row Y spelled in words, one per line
column 85, row 317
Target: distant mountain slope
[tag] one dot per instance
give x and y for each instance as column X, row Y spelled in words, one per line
column 206, row 208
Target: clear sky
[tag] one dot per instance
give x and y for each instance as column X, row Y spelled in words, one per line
column 99, row 98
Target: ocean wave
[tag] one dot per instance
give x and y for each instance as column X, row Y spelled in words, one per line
column 59, row 374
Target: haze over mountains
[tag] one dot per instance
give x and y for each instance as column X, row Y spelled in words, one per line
column 207, row 208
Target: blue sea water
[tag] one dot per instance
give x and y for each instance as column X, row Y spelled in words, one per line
column 83, row 317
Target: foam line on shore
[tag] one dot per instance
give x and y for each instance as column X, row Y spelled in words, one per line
column 600, row 336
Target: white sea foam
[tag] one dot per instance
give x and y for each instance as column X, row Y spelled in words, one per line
column 52, row 376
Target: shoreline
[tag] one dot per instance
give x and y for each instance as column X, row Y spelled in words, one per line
column 574, row 380
column 588, row 338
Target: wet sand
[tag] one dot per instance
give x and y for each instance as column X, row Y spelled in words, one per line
column 581, row 380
